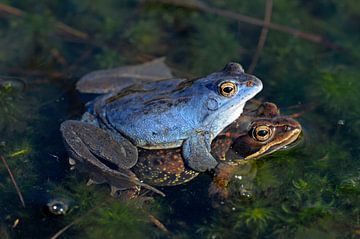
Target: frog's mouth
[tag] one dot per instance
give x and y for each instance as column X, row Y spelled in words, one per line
column 299, row 140
column 289, row 140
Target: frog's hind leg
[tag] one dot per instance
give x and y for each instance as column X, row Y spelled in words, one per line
column 113, row 80
column 86, row 142
column 95, row 151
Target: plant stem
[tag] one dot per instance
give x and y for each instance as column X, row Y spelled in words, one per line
column 13, row 180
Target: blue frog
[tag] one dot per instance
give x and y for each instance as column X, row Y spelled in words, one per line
column 162, row 114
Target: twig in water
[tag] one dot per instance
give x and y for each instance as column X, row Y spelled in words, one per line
column 263, row 35
column 41, row 73
column 201, row 6
column 13, row 180
column 60, row 27
column 158, row 224
column 10, row 10
column 64, row 229
column 152, row 219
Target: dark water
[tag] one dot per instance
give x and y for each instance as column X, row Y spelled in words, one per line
column 311, row 191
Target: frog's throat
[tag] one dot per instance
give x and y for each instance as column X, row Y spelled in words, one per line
column 218, row 122
column 264, row 149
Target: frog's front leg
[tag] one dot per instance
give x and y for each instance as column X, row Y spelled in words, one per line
column 219, row 185
column 196, row 152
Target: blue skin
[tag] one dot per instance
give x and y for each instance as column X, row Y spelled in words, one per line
column 174, row 113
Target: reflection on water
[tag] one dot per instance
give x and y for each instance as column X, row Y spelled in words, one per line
column 310, row 191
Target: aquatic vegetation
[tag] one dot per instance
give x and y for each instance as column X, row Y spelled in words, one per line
column 117, row 221
column 255, row 217
column 20, row 165
column 221, row 49
column 144, row 35
column 11, row 108
column 92, row 213
column 3, row 232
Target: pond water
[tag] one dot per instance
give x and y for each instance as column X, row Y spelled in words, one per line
column 310, row 191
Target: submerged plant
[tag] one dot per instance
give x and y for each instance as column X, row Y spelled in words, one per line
column 11, row 108
column 118, row 220
column 95, row 213
column 257, row 217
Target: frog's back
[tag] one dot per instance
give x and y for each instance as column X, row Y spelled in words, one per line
column 163, row 114
column 150, row 119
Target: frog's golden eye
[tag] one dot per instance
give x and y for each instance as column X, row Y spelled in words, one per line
column 227, row 89
column 262, row 133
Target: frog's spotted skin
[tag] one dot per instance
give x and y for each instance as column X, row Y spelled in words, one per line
column 163, row 167
column 167, row 114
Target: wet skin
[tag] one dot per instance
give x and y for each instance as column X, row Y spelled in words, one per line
column 161, row 115
column 258, row 132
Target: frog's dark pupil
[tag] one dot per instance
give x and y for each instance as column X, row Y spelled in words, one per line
column 262, row 133
column 228, row 89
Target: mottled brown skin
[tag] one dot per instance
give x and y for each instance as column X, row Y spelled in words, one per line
column 163, row 168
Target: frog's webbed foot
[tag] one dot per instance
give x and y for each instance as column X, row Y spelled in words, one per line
column 111, row 80
column 196, row 152
column 105, row 159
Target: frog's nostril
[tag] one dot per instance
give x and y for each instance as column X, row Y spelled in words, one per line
column 254, row 82
column 250, row 83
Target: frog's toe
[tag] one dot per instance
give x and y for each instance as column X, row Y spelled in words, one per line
column 72, row 161
column 95, row 181
column 114, row 190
